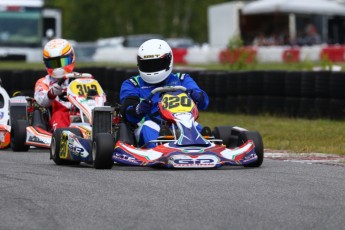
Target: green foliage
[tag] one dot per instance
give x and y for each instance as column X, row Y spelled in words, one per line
column 326, row 63
column 235, row 42
column 237, row 57
column 88, row 20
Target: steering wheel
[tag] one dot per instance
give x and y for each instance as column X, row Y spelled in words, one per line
column 165, row 89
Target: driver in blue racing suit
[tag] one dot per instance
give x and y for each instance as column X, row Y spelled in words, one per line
column 155, row 63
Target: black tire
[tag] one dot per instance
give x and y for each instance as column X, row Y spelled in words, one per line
column 125, row 134
column 255, row 83
column 55, row 146
column 337, row 85
column 274, row 83
column 308, row 84
column 223, row 133
column 293, row 84
column 259, row 146
column 18, row 136
column 102, row 151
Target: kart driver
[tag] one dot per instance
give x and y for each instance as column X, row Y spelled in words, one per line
column 59, row 59
column 155, row 63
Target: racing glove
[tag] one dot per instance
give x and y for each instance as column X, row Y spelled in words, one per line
column 143, row 108
column 54, row 91
column 197, row 97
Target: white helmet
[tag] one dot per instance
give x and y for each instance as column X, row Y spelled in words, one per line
column 58, row 57
column 155, row 61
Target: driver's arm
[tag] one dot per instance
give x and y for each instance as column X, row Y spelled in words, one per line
column 190, row 84
column 41, row 93
column 129, row 98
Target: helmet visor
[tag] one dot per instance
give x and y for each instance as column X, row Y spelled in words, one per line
column 154, row 65
column 57, row 62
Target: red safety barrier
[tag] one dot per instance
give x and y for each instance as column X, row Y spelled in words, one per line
column 179, row 55
column 333, row 53
column 291, row 55
column 246, row 54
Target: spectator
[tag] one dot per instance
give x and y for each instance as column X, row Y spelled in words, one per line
column 310, row 36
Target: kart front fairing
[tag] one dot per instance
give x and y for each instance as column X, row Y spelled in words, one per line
column 75, row 148
column 188, row 148
column 171, row 155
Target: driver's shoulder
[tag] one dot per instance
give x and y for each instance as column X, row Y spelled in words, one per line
column 134, row 81
column 181, row 76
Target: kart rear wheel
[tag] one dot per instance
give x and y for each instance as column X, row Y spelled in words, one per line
column 125, row 134
column 259, row 146
column 102, row 151
column 18, row 136
column 55, row 146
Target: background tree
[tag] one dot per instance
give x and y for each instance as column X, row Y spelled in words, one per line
column 88, row 20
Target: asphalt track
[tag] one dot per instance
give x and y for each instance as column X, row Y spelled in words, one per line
column 37, row 194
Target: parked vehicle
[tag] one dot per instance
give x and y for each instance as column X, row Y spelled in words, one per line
column 25, row 27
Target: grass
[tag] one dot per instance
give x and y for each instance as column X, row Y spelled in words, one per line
column 281, row 133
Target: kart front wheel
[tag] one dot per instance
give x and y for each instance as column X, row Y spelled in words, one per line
column 259, row 146
column 224, row 133
column 56, row 144
column 18, row 136
column 102, row 151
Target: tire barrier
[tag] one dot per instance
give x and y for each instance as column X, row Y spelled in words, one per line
column 289, row 93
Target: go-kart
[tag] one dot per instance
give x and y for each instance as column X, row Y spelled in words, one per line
column 30, row 122
column 180, row 144
column 89, row 116
column 5, row 128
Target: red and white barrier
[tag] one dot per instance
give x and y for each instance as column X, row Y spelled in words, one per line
column 209, row 55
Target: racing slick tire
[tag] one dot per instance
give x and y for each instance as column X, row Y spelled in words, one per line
column 102, row 151
column 55, row 146
column 224, row 133
column 18, row 136
column 125, row 134
column 259, row 146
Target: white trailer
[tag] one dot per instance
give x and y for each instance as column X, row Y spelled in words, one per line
column 223, row 23
column 25, row 27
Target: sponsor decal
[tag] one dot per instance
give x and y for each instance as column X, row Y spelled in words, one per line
column 151, row 56
column 249, row 156
column 146, row 87
column 125, row 157
column 17, row 101
column 200, row 161
column 38, row 140
column 75, row 150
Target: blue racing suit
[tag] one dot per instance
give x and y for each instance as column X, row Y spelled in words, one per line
column 135, row 89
